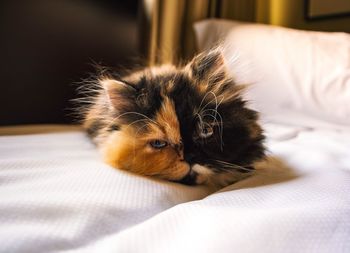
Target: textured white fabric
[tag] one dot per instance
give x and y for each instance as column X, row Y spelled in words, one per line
column 304, row 72
column 57, row 196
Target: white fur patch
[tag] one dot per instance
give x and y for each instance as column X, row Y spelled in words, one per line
column 218, row 180
column 202, row 170
column 203, row 173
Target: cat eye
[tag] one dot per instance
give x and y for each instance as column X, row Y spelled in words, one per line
column 206, row 131
column 158, row 144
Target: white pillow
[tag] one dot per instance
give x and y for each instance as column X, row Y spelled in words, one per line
column 304, row 73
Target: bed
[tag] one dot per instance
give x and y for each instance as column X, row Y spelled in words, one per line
column 57, row 196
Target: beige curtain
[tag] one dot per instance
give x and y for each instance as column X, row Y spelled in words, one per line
column 166, row 26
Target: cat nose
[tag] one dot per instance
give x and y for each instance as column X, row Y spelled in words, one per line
column 189, row 158
column 189, row 179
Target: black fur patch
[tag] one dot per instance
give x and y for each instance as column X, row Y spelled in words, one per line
column 189, row 179
column 233, row 145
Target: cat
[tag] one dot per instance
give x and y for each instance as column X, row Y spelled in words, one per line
column 186, row 124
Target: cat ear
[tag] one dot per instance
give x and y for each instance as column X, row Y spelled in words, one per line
column 208, row 66
column 120, row 95
column 209, row 71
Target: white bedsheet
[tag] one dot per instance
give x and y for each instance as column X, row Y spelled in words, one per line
column 57, row 196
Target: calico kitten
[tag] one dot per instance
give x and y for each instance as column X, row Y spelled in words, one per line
column 185, row 124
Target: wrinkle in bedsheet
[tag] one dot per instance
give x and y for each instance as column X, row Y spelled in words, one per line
column 69, row 201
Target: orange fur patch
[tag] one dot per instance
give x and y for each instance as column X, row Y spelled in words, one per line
column 167, row 119
column 129, row 148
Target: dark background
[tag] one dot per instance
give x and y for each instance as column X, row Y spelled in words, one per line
column 47, row 46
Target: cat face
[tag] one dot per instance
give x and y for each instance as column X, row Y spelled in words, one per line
column 181, row 124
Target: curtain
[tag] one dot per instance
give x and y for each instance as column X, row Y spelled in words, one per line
column 166, row 26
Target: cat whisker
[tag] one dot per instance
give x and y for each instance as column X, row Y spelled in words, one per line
column 227, row 165
column 217, row 104
column 136, row 121
column 136, row 113
column 236, row 167
column 206, row 94
column 222, row 99
column 233, row 170
column 83, row 100
column 200, row 120
column 137, row 132
column 221, row 124
column 215, row 120
column 215, row 112
column 215, row 98
column 222, row 162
